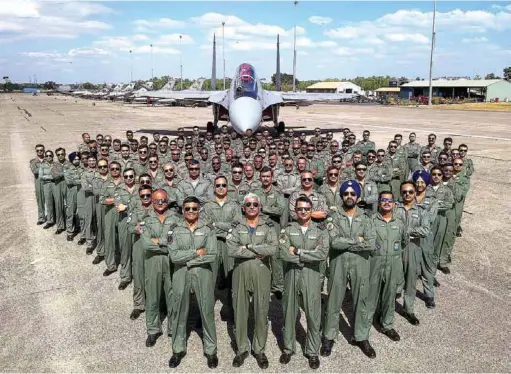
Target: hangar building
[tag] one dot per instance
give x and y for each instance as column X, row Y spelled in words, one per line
column 335, row 87
column 485, row 89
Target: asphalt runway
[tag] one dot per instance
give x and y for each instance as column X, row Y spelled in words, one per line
column 58, row 313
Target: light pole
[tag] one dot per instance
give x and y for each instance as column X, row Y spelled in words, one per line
column 181, row 57
column 131, row 66
column 433, row 35
column 223, row 48
column 152, row 70
column 294, row 52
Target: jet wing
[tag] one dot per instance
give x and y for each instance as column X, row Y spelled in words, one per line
column 184, row 95
column 302, row 96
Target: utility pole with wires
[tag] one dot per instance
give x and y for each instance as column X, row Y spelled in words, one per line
column 223, row 48
column 294, row 52
column 433, row 36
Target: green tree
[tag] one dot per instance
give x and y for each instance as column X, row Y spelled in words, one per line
column 50, row 85
column 285, row 79
column 477, row 77
column 507, row 73
column 88, row 86
column 491, row 76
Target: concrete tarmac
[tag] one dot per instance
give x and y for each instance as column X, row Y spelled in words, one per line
column 59, row 314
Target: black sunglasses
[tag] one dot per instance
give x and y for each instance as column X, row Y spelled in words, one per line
column 255, row 205
column 306, row 179
column 115, row 169
column 145, row 196
column 191, row 209
column 221, row 185
column 302, row 209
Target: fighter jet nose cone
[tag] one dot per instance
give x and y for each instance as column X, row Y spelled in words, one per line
column 245, row 114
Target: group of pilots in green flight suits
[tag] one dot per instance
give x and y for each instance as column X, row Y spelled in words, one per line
column 373, row 239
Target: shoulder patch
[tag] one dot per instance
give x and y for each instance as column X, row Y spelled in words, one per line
column 269, row 224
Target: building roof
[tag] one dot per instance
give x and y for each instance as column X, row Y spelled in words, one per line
column 474, row 83
column 388, row 89
column 328, row 85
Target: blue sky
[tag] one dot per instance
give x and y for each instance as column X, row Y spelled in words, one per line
column 79, row 41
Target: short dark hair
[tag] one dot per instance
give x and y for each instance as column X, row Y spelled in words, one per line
column 405, row 183
column 266, row 169
column 303, row 199
column 128, row 169
column 194, row 162
column 387, row 192
column 144, row 187
column 191, row 199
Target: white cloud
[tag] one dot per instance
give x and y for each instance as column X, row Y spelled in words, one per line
column 143, row 49
column 481, row 39
column 140, row 37
column 88, row 52
column 142, row 25
column 64, row 20
column 41, row 54
column 174, row 39
column 19, row 8
column 216, row 19
column 412, row 38
column 352, row 52
column 318, row 20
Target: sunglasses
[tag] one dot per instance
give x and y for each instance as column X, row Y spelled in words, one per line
column 436, row 174
column 115, row 169
column 237, row 172
column 361, row 169
column 302, row 209
column 380, row 155
column 255, row 205
column 160, row 201
column 153, row 162
column 426, row 156
column 152, row 148
column 221, row 185
column 336, row 161
column 104, row 149
column 288, row 164
column 142, row 152
column 168, row 170
column 216, row 163
column 306, row 179
column 458, row 164
column 385, row 200
column 333, row 174
column 129, row 176
column 348, row 193
column 191, row 209
column 407, row 192
column 145, row 181
column 194, row 169
column 371, row 157
column 102, row 166
column 145, row 196
column 61, row 154
column 392, row 147
column 48, row 155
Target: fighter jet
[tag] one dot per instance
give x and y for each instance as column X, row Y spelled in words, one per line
column 246, row 105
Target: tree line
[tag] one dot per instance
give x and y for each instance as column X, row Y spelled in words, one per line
column 286, row 80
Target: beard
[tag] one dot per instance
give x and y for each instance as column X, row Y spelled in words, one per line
column 349, row 202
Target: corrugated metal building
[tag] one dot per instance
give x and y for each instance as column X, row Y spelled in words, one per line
column 387, row 91
column 487, row 89
column 334, row 87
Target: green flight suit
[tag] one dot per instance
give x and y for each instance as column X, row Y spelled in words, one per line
column 386, row 268
column 72, row 177
column 428, row 266
column 416, row 221
column 349, row 262
column 445, row 198
column 444, row 254
column 252, row 249
column 137, row 214
column 302, row 282
column 125, row 237
column 157, row 270
column 35, row 164
column 222, row 217
column 365, row 147
column 413, row 155
column 397, row 167
column 316, row 166
column 89, row 228
column 48, row 190
column 202, row 190
column 193, row 273
column 100, row 212
column 381, row 174
column 60, row 193
column 463, row 185
column 111, row 221
column 273, row 205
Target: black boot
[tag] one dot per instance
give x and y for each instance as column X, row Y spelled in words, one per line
column 326, row 348
column 81, row 241
column 391, row 334
column 430, row 302
column 262, row 361
column 313, row 362
column 151, row 339
column 212, row 361
column 70, row 237
column 97, row 260
column 175, row 360
column 285, row 358
column 412, row 319
column 366, row 348
column 135, row 313
column 239, row 360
